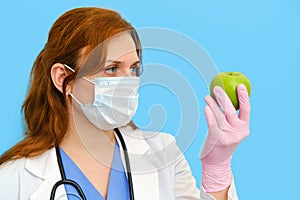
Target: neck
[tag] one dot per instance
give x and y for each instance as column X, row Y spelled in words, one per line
column 83, row 138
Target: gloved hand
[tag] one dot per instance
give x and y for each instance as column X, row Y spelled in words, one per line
column 226, row 130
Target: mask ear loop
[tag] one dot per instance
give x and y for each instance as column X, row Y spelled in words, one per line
column 71, row 69
column 73, row 97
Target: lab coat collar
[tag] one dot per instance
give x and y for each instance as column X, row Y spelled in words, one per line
column 46, row 168
column 48, row 161
column 134, row 140
column 145, row 185
column 144, row 174
column 47, row 158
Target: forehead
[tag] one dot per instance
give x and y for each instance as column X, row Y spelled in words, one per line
column 120, row 45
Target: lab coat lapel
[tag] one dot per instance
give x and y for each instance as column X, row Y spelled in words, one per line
column 45, row 168
column 144, row 174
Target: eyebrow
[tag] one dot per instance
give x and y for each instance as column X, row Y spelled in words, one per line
column 118, row 62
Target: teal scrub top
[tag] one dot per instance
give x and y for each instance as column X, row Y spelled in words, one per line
column 118, row 188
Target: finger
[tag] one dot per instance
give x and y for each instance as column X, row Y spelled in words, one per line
column 226, row 104
column 208, row 115
column 244, row 103
column 218, row 115
column 213, row 133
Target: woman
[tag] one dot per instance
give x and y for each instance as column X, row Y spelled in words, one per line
column 78, row 112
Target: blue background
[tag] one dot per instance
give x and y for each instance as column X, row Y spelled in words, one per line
column 258, row 38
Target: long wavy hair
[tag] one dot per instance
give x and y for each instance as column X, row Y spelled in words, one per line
column 45, row 109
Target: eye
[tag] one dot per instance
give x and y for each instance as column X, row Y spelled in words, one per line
column 134, row 69
column 111, row 70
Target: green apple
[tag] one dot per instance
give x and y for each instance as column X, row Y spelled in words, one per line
column 229, row 81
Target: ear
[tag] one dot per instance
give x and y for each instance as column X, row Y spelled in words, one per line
column 58, row 75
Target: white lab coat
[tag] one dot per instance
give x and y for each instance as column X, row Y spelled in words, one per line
column 159, row 171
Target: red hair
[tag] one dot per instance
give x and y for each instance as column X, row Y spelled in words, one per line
column 45, row 108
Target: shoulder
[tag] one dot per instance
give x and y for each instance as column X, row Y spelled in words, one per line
column 11, row 167
column 150, row 150
column 16, row 169
column 159, row 146
column 10, row 173
column 20, row 177
column 154, row 139
column 21, row 163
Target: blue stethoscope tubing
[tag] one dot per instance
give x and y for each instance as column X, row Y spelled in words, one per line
column 64, row 180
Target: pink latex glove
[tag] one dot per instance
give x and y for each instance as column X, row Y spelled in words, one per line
column 226, row 130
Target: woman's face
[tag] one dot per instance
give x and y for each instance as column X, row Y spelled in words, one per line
column 121, row 60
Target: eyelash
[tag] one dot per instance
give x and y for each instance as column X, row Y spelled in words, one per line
column 110, row 68
column 115, row 67
column 136, row 67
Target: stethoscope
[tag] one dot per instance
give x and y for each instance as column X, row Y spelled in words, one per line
column 76, row 186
